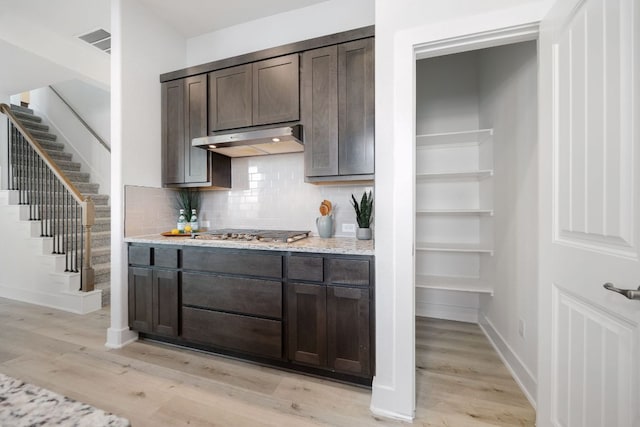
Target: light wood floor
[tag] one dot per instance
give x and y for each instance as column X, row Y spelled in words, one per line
column 460, row 380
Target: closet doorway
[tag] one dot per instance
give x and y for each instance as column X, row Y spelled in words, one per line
column 476, row 216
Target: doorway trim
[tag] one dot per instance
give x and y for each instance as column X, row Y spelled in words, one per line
column 393, row 389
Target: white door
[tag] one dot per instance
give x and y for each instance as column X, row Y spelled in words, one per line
column 589, row 360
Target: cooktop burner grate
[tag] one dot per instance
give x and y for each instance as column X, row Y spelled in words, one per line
column 240, row 234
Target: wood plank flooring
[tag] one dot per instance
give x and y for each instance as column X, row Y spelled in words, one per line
column 460, row 380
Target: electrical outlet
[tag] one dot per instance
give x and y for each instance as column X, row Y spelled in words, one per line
column 521, row 328
column 348, row 228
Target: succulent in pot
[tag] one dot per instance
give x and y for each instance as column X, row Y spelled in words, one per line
column 364, row 215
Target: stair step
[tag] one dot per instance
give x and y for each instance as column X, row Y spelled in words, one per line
column 67, row 165
column 87, row 188
column 59, row 155
column 20, row 108
column 77, row 177
column 99, row 200
column 101, row 255
column 101, row 239
column 46, row 136
column 102, row 269
column 48, row 144
column 37, row 126
column 103, row 211
column 102, row 224
column 27, row 117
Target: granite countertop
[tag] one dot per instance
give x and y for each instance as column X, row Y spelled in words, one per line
column 334, row 245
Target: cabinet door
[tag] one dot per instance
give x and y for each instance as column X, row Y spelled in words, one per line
column 166, row 287
column 320, row 111
column 307, row 323
column 173, row 131
column 230, row 98
column 140, row 299
column 195, row 125
column 348, row 330
column 356, row 107
column 276, row 90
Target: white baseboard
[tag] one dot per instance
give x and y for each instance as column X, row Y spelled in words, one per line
column 118, row 338
column 381, row 397
column 447, row 312
column 74, row 302
column 520, row 373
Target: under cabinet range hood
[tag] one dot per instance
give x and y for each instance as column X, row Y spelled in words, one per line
column 261, row 142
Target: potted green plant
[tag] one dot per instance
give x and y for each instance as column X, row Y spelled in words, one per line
column 364, row 215
column 188, row 199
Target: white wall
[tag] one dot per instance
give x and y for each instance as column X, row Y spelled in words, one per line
column 508, row 104
column 60, row 53
column 324, row 18
column 401, row 27
column 446, row 94
column 93, row 104
column 143, row 47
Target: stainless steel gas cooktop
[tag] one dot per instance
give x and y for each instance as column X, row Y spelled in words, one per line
column 286, row 236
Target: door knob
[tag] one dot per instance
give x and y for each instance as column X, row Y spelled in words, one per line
column 629, row 293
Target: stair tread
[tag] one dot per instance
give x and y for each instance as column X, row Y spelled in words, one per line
column 16, row 107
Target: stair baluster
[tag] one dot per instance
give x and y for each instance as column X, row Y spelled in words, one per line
column 64, row 213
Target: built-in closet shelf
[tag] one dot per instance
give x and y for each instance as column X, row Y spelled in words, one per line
column 470, row 212
column 472, row 175
column 453, row 247
column 477, row 135
column 453, row 283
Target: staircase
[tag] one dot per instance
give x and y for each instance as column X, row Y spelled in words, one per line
column 101, row 230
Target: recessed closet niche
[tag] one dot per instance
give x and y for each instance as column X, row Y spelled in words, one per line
column 476, row 181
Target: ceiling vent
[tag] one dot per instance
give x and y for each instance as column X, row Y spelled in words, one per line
column 99, row 38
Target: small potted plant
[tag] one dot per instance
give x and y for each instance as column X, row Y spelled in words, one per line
column 364, row 214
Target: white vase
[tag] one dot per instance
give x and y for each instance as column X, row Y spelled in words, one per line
column 363, row 233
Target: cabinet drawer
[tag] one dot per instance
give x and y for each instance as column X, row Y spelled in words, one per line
column 237, row 294
column 165, row 257
column 305, row 268
column 140, row 255
column 349, row 271
column 234, row 332
column 248, row 264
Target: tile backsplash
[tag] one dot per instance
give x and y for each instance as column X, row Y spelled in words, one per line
column 268, row 192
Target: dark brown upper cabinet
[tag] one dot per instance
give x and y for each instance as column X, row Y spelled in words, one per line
column 259, row 93
column 338, row 111
column 230, row 98
column 184, row 117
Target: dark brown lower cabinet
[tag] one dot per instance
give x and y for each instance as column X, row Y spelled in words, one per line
column 309, row 312
column 307, row 315
column 348, row 330
column 140, row 299
column 153, row 301
column 329, row 327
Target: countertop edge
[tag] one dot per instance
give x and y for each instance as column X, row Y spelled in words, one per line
column 334, row 245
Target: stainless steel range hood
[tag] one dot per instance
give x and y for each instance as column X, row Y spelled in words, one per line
column 254, row 143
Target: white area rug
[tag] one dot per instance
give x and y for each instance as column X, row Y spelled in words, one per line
column 23, row 405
